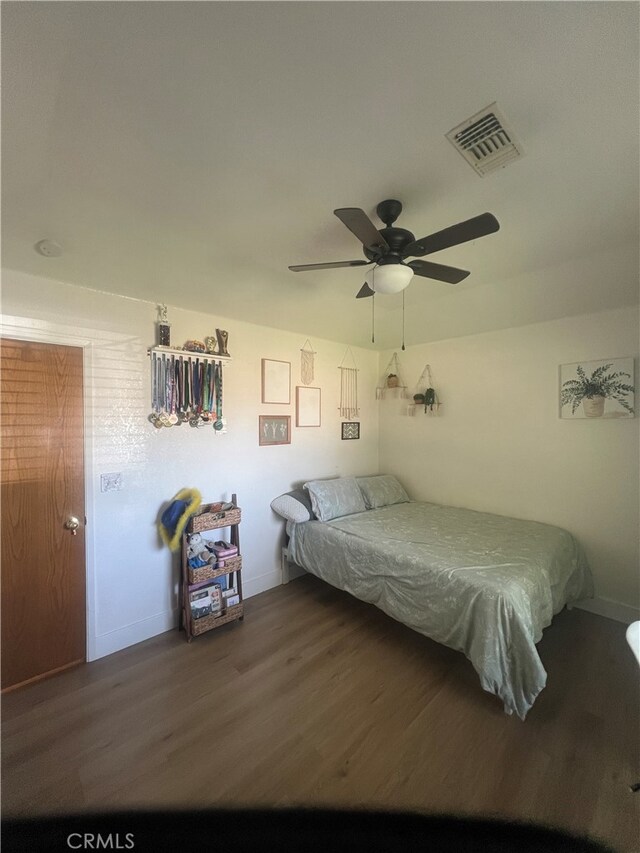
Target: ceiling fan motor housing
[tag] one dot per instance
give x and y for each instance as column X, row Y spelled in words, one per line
column 397, row 239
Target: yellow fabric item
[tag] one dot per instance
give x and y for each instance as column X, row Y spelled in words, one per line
column 170, row 535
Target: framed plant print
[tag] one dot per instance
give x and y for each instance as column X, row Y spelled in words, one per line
column 274, row 429
column 350, row 430
column 597, row 389
column 307, row 406
column 276, row 381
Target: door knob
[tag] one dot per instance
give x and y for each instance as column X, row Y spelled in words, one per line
column 72, row 524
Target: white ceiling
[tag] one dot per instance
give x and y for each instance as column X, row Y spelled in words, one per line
column 189, row 152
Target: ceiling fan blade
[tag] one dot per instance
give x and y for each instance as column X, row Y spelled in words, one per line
column 330, row 266
column 441, row 273
column 365, row 290
column 359, row 224
column 479, row 226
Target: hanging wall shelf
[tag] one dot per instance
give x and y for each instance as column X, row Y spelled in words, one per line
column 425, row 397
column 187, row 353
column 391, row 380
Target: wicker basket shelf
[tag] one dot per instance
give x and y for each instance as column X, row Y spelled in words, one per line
column 211, row 517
column 205, row 573
column 206, row 623
column 208, row 520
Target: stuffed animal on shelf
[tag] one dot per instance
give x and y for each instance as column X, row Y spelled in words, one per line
column 198, row 554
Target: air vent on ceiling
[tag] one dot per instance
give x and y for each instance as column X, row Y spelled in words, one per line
column 486, row 141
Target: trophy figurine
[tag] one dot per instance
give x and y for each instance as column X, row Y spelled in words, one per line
column 223, row 337
column 164, row 327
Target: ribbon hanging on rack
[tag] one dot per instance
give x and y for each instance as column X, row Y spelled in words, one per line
column 186, row 389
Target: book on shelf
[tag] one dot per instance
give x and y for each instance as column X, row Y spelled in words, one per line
column 205, row 600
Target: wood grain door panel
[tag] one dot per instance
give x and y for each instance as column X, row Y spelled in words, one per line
column 42, row 471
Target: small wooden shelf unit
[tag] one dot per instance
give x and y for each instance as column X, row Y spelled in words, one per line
column 207, row 520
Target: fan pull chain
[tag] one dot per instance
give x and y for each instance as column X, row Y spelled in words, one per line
column 373, row 318
column 403, row 320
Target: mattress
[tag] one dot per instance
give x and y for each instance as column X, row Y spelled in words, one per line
column 483, row 584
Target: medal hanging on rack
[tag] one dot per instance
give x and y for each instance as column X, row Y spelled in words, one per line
column 173, row 390
column 219, row 424
column 194, row 420
column 155, row 391
column 162, row 392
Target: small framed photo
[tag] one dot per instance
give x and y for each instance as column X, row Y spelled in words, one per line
column 307, row 406
column 274, row 429
column 597, row 389
column 350, row 430
column 276, row 381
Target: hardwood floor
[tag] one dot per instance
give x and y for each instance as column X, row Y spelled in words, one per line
column 319, row 699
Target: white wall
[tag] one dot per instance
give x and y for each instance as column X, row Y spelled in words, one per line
column 132, row 577
column 498, row 443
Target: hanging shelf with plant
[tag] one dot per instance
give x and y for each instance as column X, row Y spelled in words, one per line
column 391, row 380
column 426, row 399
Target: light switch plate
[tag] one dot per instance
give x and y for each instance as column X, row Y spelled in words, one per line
column 111, row 482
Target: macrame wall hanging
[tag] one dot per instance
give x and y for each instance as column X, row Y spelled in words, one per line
column 348, row 388
column 306, row 363
column 391, row 379
column 425, row 394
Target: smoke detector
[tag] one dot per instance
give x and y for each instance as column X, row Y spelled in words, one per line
column 48, row 248
column 486, row 141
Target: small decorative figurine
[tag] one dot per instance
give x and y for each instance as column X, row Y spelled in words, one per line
column 223, row 338
column 195, row 346
column 211, row 343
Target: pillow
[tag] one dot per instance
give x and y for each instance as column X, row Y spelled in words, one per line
column 333, row 498
column 383, row 490
column 294, row 506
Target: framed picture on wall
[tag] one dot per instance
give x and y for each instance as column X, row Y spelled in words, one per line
column 307, row 406
column 274, row 429
column 597, row 389
column 276, row 381
column 350, row 430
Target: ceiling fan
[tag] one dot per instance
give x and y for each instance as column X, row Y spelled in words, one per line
column 389, row 247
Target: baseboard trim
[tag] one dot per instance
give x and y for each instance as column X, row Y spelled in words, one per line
column 254, row 586
column 610, row 609
column 129, row 635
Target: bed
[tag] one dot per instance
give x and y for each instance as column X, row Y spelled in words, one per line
column 483, row 584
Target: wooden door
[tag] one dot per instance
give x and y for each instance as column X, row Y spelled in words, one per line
column 42, row 486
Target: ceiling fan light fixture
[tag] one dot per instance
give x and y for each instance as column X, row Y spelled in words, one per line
column 389, row 278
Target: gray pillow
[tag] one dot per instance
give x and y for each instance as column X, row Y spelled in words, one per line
column 294, row 506
column 383, row 490
column 334, row 498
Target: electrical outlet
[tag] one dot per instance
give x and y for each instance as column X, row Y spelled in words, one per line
column 111, row 482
